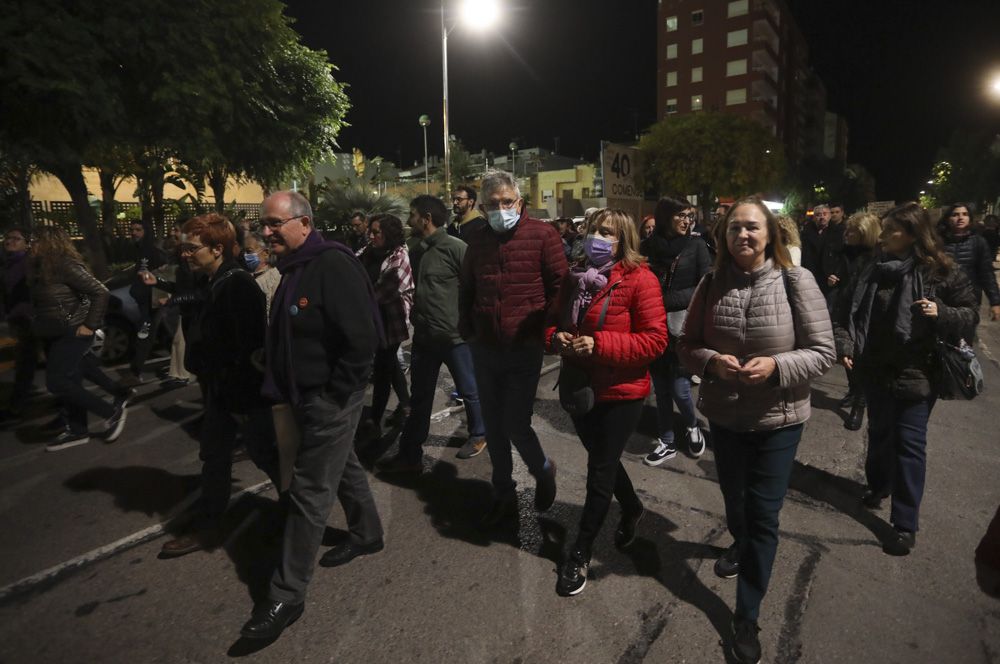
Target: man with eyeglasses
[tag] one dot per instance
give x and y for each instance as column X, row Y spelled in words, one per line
column 357, row 239
column 467, row 216
column 321, row 342
column 15, row 307
column 510, row 278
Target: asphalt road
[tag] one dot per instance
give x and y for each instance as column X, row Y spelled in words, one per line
column 445, row 590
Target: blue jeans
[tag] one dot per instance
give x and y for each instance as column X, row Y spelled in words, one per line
column 64, row 371
column 508, row 379
column 425, row 365
column 671, row 385
column 754, row 468
column 896, row 463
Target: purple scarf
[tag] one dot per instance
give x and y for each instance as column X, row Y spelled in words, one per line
column 585, row 282
column 279, row 376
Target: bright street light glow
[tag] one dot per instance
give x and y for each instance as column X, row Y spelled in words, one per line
column 774, row 206
column 994, row 85
column 480, row 14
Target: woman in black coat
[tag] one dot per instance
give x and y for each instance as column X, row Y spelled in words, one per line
column 903, row 300
column 972, row 253
column 679, row 259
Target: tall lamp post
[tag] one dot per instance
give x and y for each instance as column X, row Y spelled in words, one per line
column 478, row 14
column 513, row 163
column 424, row 121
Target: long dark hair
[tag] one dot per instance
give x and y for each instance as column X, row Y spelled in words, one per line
column 917, row 223
column 664, row 213
column 944, row 223
column 392, row 231
column 51, row 248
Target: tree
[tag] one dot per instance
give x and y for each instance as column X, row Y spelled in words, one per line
column 710, row 154
column 336, row 204
column 462, row 170
column 968, row 170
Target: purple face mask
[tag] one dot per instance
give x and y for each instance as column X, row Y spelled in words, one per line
column 599, row 251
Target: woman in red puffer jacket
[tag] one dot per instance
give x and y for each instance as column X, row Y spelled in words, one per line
column 615, row 354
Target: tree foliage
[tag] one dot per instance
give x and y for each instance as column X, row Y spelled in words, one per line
column 967, row 170
column 710, row 154
column 336, row 204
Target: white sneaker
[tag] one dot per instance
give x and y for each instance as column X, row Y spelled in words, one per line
column 664, row 450
column 696, row 441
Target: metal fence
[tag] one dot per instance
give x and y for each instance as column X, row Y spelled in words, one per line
column 64, row 214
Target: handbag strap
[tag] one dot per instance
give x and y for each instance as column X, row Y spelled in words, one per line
column 604, row 307
column 791, row 306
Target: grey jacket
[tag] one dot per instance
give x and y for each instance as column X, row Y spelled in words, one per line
column 748, row 315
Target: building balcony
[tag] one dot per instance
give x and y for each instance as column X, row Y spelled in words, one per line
column 764, row 32
column 766, row 10
column 763, row 61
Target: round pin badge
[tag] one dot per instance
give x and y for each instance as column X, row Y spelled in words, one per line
column 293, row 310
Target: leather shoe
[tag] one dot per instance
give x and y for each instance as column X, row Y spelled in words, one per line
column 270, row 618
column 857, row 416
column 348, row 551
column 872, row 499
column 545, row 488
column 900, row 543
column 188, row 543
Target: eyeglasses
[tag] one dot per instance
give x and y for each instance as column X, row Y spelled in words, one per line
column 459, row 199
column 686, row 215
column 275, row 224
column 505, row 204
column 191, row 248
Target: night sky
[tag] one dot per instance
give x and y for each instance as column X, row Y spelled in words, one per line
column 904, row 73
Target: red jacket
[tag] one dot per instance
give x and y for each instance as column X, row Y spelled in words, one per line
column 634, row 333
column 510, row 282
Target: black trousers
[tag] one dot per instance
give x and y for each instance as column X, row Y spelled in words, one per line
column 604, row 431
column 64, row 372
column 386, row 374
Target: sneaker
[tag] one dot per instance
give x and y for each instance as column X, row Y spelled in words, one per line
column 728, row 564
column 472, row 447
column 457, row 399
column 398, row 464
column 665, row 449
column 113, row 425
column 572, row 575
column 143, row 332
column 695, row 441
column 746, row 644
column 66, row 440
column 625, row 534
column 545, row 487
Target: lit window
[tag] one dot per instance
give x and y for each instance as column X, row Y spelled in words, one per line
column 671, row 79
column 738, row 8
column 696, row 74
column 671, row 51
column 671, row 23
column 737, row 38
column 697, row 46
column 736, row 67
column 671, row 106
column 696, row 103
column 735, row 97
column 697, row 17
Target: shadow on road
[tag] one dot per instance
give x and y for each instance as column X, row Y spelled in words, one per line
column 152, row 491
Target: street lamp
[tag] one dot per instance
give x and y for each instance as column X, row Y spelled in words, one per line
column 423, row 121
column 993, row 87
column 513, row 164
column 477, row 14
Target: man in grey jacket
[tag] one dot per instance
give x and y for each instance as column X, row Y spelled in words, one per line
column 436, row 340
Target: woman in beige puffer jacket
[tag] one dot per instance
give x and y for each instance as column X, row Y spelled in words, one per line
column 758, row 332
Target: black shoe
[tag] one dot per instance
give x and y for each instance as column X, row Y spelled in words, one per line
column 857, row 416
column 545, row 488
column 746, row 644
column 728, row 564
column 503, row 508
column 872, row 499
column 114, row 425
column 625, row 534
column 900, row 544
column 66, row 440
column 664, row 450
column 572, row 575
column 348, row 551
column 174, row 383
column 270, row 618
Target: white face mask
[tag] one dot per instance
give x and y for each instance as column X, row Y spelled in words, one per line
column 503, row 220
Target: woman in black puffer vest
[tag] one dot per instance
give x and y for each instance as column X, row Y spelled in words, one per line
column 679, row 259
column 972, row 252
column 902, row 302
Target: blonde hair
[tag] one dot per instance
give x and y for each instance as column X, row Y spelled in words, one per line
column 775, row 250
column 868, row 225
column 624, row 228
column 789, row 231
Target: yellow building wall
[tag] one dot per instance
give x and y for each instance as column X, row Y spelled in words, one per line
column 576, row 179
column 47, row 187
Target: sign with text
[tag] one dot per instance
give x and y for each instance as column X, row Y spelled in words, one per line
column 619, row 164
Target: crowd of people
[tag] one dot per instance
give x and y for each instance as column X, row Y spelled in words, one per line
column 284, row 331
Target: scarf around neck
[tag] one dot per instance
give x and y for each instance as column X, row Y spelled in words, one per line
column 908, row 287
column 585, row 282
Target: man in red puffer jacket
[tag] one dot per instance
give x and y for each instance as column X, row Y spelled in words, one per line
column 510, row 279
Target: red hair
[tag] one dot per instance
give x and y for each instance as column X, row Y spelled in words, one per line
column 213, row 229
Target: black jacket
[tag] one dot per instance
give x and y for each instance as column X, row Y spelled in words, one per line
column 72, row 298
column 692, row 264
column 228, row 329
column 812, row 250
column 832, row 260
column 972, row 252
column 333, row 330
column 908, row 370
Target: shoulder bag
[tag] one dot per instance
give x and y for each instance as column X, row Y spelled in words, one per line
column 576, row 394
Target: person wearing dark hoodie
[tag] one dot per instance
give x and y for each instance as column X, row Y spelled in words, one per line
column 321, row 341
column 15, row 308
column 227, row 331
column 972, row 253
